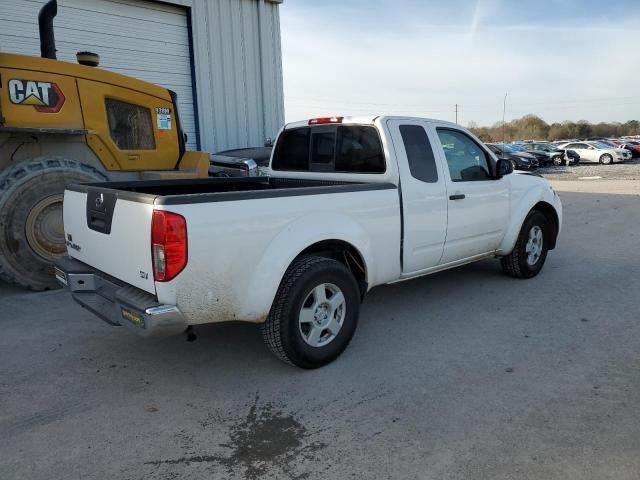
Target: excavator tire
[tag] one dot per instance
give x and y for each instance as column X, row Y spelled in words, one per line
column 31, row 231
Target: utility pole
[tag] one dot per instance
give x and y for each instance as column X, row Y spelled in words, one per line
column 456, row 113
column 504, row 109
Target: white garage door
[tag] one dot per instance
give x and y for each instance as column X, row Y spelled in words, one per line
column 142, row 39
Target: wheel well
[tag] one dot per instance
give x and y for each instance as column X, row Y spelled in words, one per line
column 552, row 217
column 344, row 253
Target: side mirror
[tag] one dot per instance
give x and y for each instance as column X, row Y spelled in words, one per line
column 503, row 167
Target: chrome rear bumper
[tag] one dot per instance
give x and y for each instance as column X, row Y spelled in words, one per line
column 118, row 303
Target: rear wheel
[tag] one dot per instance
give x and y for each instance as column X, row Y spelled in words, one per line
column 314, row 314
column 557, row 160
column 530, row 251
column 31, row 231
column 606, row 159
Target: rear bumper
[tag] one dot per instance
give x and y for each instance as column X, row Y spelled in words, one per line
column 117, row 303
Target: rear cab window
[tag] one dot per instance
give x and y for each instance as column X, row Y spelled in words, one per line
column 330, row 148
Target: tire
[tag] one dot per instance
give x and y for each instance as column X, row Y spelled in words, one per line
column 31, row 233
column 606, row 159
column 514, row 164
column 557, row 160
column 523, row 264
column 286, row 334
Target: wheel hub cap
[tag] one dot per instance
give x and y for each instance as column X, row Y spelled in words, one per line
column 534, row 245
column 322, row 315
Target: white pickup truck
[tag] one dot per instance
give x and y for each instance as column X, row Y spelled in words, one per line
column 349, row 204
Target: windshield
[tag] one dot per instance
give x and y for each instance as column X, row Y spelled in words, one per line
column 547, row 147
column 600, row 145
column 507, row 148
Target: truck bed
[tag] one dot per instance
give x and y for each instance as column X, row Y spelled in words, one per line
column 175, row 192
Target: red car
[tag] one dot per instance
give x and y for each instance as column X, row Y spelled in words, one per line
column 633, row 147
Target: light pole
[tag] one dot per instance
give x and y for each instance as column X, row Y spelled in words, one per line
column 504, row 110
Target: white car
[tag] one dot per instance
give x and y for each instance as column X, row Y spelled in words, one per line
column 353, row 203
column 596, row 152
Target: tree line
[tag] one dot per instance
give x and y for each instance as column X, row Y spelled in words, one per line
column 532, row 127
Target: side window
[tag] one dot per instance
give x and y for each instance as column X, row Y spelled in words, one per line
column 130, row 125
column 422, row 163
column 292, row 150
column 466, row 159
column 358, row 150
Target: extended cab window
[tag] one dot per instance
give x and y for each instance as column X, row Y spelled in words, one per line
column 467, row 161
column 330, row 148
column 422, row 163
column 130, row 125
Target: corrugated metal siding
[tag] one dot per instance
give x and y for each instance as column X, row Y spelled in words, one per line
column 142, row 39
column 237, row 56
column 238, row 69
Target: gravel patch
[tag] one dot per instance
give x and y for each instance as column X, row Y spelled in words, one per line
column 629, row 170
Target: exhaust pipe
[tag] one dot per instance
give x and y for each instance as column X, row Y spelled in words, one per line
column 45, row 24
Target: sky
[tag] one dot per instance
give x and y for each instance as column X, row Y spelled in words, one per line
column 560, row 59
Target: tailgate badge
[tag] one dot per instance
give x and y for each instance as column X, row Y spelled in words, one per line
column 72, row 245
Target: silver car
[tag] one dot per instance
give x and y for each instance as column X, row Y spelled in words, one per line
column 596, row 152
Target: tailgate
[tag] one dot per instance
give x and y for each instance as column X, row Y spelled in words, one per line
column 111, row 233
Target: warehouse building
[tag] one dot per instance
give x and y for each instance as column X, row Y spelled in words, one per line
column 222, row 57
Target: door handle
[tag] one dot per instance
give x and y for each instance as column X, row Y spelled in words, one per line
column 457, row 196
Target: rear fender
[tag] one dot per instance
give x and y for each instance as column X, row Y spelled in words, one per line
column 300, row 234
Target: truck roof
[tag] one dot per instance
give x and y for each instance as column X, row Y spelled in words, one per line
column 361, row 120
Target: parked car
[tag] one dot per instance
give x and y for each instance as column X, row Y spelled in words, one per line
column 519, row 160
column 298, row 252
column 633, row 147
column 543, row 155
column 596, row 152
column 518, row 148
column 555, row 155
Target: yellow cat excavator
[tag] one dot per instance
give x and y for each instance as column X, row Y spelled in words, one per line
column 64, row 123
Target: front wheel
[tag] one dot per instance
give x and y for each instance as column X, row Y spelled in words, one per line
column 530, row 251
column 606, row 159
column 314, row 314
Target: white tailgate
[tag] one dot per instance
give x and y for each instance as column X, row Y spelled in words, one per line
column 124, row 253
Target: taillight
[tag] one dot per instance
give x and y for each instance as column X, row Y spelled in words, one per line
column 168, row 245
column 323, row 120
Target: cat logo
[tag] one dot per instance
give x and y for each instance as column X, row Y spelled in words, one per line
column 45, row 97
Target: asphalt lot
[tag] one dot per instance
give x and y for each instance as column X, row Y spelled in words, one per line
column 466, row 374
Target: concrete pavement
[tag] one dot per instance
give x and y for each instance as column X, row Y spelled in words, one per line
column 467, row 374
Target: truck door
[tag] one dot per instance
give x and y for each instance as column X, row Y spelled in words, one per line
column 478, row 203
column 424, row 201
